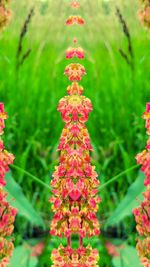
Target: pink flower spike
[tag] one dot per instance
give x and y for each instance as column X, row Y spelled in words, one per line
column 75, row 182
column 142, row 213
column 7, row 218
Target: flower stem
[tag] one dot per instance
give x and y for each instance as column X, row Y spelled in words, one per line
column 69, row 241
column 81, row 241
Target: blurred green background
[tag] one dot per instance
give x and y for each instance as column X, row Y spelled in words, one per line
column 31, row 94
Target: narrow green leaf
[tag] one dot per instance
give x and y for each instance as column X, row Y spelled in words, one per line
column 22, row 257
column 129, row 202
column 19, row 201
column 128, row 257
column 31, row 176
column 115, row 178
column 126, row 161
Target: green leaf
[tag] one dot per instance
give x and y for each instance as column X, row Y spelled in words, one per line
column 19, row 201
column 126, row 161
column 128, row 257
column 33, row 177
column 129, row 202
column 116, row 177
column 22, row 257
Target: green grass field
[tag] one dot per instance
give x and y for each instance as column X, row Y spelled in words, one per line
column 31, row 95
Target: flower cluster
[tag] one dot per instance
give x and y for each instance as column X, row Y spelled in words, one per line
column 75, row 182
column 75, row 108
column 142, row 213
column 5, row 14
column 145, row 13
column 75, row 20
column 75, row 52
column 81, row 257
column 75, row 71
column 7, row 213
column 74, row 89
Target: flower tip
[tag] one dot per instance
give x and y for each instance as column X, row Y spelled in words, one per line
column 148, row 107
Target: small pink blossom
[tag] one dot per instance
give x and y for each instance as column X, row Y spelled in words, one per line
column 112, row 249
column 75, row 20
column 145, row 14
column 37, row 249
column 75, row 72
column 75, row 52
column 5, row 14
column 75, row 108
column 75, row 4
